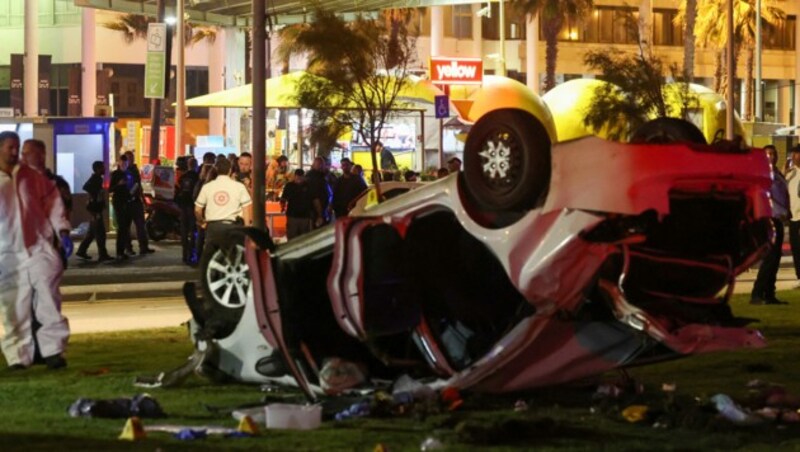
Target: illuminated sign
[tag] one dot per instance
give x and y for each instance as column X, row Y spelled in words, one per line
column 456, row 71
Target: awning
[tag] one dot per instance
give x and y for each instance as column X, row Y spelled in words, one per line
column 237, row 13
column 280, row 92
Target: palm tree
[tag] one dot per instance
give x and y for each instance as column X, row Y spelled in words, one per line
column 689, row 9
column 711, row 31
column 553, row 15
column 134, row 26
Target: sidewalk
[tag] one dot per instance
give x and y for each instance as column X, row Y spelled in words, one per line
column 157, row 275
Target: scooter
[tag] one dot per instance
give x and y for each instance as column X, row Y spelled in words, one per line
column 162, row 217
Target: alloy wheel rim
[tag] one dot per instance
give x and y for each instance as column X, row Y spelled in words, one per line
column 500, row 160
column 228, row 278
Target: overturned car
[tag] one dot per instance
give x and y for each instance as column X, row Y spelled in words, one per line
column 538, row 265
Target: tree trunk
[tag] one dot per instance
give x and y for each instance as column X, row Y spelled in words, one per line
column 550, row 29
column 720, row 57
column 748, row 84
column 689, row 40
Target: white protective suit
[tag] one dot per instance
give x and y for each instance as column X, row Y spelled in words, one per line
column 30, row 267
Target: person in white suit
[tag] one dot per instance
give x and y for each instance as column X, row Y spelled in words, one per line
column 30, row 265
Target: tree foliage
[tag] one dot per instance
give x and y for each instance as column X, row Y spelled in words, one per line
column 711, row 31
column 134, row 26
column 635, row 92
column 356, row 71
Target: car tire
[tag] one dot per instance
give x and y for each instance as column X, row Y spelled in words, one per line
column 507, row 161
column 155, row 230
column 225, row 282
column 668, row 130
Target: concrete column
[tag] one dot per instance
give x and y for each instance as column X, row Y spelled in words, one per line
column 797, row 79
column 646, row 24
column 532, row 52
column 31, row 78
column 437, row 30
column 234, row 76
column 216, row 82
column 477, row 31
column 88, row 62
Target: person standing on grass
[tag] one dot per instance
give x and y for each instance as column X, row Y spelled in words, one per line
column 793, row 182
column 30, row 267
column 95, row 206
column 764, row 287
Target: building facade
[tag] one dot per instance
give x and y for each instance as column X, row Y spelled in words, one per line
column 76, row 39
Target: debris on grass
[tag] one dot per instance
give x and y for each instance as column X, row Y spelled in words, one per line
column 635, row 413
column 141, row 405
column 431, row 443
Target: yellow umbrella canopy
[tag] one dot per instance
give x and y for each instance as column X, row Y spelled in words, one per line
column 280, row 92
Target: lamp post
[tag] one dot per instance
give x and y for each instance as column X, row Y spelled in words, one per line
column 759, row 91
column 729, row 122
column 501, row 63
column 259, row 112
column 180, row 80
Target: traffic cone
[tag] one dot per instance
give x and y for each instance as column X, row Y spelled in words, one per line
column 133, row 430
column 247, row 425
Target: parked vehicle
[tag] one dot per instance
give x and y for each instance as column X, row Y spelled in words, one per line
column 162, row 217
column 537, row 265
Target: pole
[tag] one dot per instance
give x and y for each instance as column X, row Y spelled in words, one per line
column 180, row 81
column 730, row 106
column 259, row 112
column 155, row 104
column 501, row 64
column 422, row 145
column 31, row 70
column 759, row 92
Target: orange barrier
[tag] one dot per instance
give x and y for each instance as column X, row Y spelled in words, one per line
column 276, row 220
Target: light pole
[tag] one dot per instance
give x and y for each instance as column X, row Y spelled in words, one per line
column 180, row 80
column 759, row 91
column 501, row 69
column 731, row 81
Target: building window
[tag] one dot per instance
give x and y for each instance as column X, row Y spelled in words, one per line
column 665, row 30
column 782, row 35
column 616, row 25
column 421, row 23
column 515, row 24
column 462, row 22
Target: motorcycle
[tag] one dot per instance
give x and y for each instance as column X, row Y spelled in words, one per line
column 162, row 217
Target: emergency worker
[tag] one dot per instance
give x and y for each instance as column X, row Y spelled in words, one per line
column 222, row 204
column 184, row 198
column 30, row 267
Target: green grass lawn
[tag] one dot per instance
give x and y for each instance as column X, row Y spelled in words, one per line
column 33, row 403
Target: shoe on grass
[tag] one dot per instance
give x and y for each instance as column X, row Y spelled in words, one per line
column 55, row 362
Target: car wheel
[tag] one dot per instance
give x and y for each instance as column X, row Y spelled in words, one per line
column 226, row 282
column 507, row 161
column 155, row 230
column 668, row 130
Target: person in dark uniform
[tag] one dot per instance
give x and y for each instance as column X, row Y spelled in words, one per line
column 296, row 203
column 137, row 207
column 320, row 193
column 347, row 188
column 95, row 206
column 120, row 199
column 184, row 198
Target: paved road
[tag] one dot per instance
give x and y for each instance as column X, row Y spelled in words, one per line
column 160, row 274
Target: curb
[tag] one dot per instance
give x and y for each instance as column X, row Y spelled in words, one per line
column 122, row 291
